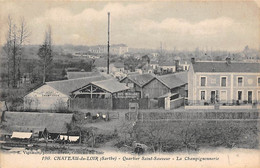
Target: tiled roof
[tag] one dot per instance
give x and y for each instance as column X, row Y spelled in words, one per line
column 67, row 86
column 141, row 79
column 224, row 67
column 111, row 85
column 168, row 63
column 183, row 76
column 174, row 80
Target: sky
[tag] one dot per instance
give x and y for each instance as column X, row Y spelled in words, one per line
column 181, row 25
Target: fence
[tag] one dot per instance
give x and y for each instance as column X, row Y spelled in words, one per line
column 167, row 116
column 109, row 103
column 88, row 103
column 123, row 103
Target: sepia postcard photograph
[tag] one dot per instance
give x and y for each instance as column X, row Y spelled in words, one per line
column 153, row 84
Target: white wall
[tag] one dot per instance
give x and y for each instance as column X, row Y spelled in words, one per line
column 45, row 98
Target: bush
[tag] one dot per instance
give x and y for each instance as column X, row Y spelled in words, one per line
column 192, row 135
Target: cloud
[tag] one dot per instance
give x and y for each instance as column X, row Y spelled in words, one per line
column 90, row 24
column 139, row 24
column 183, row 27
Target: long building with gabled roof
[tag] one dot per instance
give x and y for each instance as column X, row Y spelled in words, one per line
column 223, row 82
column 55, row 95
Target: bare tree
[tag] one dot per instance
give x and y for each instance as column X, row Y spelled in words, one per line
column 14, row 43
column 23, row 33
column 45, row 53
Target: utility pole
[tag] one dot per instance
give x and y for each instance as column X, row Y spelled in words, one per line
column 108, row 14
column 161, row 49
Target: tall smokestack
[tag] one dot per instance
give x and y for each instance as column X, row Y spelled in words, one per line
column 108, row 38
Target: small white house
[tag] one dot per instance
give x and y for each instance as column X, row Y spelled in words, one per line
column 167, row 66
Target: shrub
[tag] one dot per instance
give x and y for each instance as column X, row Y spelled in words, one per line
column 192, row 135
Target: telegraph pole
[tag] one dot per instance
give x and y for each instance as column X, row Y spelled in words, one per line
column 108, row 14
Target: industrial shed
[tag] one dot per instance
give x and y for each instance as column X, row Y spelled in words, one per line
column 55, row 95
column 151, row 86
column 105, row 94
column 176, row 83
column 101, row 89
column 36, row 123
column 137, row 83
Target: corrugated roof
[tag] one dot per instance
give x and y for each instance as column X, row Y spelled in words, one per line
column 224, row 67
column 67, row 86
column 141, row 79
column 111, row 85
column 173, row 80
column 75, row 75
column 27, row 121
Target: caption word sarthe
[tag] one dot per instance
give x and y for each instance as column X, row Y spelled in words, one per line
column 127, row 158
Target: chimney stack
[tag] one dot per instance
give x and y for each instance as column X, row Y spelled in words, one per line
column 228, row 60
column 177, row 65
column 193, row 60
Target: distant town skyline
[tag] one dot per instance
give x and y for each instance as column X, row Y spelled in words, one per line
column 184, row 25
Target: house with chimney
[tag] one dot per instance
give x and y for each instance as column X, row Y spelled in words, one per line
column 184, row 65
column 223, row 82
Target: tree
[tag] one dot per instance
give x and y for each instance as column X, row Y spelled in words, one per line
column 45, row 53
column 15, row 40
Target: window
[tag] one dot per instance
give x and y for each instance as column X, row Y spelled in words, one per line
column 249, row 96
column 202, row 95
column 240, row 81
column 223, row 81
column 239, row 95
column 203, row 81
column 258, row 80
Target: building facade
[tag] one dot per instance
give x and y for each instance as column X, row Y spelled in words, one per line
column 167, row 67
column 223, row 82
column 116, row 49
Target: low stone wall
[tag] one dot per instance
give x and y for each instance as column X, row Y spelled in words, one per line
column 207, row 107
column 236, row 107
column 176, row 103
column 200, row 107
